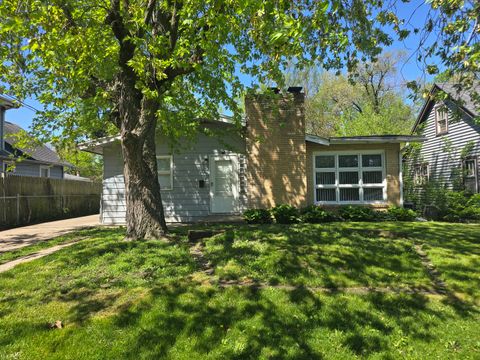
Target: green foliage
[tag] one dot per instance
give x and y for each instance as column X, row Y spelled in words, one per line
column 368, row 106
column 285, row 214
column 356, row 213
column 401, row 214
column 84, row 164
column 315, row 215
column 459, row 207
column 257, row 216
column 188, row 56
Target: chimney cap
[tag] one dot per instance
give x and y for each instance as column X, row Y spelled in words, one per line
column 294, row 89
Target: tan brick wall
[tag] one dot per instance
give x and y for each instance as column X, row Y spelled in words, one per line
column 391, row 166
column 276, row 150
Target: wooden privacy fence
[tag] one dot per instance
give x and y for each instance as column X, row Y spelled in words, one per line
column 27, row 200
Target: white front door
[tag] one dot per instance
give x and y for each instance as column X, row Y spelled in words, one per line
column 223, row 183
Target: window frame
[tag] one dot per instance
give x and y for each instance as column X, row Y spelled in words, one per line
column 359, row 169
column 465, row 168
column 6, row 164
column 43, row 167
column 418, row 173
column 164, row 172
column 441, row 109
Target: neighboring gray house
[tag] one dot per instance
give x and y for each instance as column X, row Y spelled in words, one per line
column 40, row 161
column 450, row 156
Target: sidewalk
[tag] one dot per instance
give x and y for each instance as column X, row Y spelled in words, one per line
column 28, row 235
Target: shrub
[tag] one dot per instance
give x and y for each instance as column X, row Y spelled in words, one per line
column 257, row 216
column 401, row 214
column 356, row 213
column 459, row 206
column 285, row 214
column 314, row 215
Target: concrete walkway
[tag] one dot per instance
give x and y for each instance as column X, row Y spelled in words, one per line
column 28, row 235
column 11, row 264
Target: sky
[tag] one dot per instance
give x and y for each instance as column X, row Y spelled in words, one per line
column 410, row 70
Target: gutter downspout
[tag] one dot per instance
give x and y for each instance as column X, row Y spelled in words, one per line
column 400, row 173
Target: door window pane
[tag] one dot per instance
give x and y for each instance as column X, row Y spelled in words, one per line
column 349, row 194
column 373, row 160
column 326, row 195
column 223, row 185
column 348, row 161
column 372, row 177
column 325, row 178
column 372, row 194
column 325, row 161
column 348, row 177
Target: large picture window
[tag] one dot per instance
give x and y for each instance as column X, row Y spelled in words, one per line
column 165, row 171
column 349, row 178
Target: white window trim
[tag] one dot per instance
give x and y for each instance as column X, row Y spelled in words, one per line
column 359, row 169
column 43, row 167
column 474, row 162
column 441, row 108
column 163, row 172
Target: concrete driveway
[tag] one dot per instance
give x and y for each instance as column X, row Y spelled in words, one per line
column 24, row 236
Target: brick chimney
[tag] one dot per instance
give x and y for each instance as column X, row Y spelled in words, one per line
column 276, row 149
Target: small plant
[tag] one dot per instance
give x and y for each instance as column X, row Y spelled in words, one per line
column 257, row 216
column 314, row 215
column 356, row 213
column 401, row 214
column 285, row 214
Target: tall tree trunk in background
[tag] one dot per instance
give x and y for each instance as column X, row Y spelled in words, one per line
column 144, row 216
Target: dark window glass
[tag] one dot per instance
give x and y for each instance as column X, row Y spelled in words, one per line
column 372, row 194
column 348, row 161
column 325, row 161
column 349, row 194
column 325, row 178
column 374, row 160
column 326, row 195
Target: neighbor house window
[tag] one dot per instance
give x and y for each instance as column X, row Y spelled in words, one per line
column 8, row 167
column 469, row 168
column 165, row 171
column 441, row 117
column 420, row 174
column 345, row 178
column 44, row 171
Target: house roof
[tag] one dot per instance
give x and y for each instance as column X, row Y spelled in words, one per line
column 456, row 93
column 375, row 139
column 41, row 153
column 6, row 103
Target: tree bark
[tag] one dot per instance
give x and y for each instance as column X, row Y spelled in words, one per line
column 144, row 216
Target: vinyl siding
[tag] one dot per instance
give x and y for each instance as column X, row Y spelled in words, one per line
column 434, row 150
column 186, row 201
column 25, row 168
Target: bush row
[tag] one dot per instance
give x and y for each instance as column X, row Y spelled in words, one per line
column 287, row 214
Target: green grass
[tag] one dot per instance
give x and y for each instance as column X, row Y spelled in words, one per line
column 149, row 300
column 43, row 244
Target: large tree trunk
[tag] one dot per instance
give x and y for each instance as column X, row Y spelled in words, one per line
column 145, row 217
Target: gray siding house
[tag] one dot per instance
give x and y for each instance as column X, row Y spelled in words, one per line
column 39, row 161
column 269, row 161
column 184, row 176
column 450, row 156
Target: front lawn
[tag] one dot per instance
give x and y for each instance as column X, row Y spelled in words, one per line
column 152, row 300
